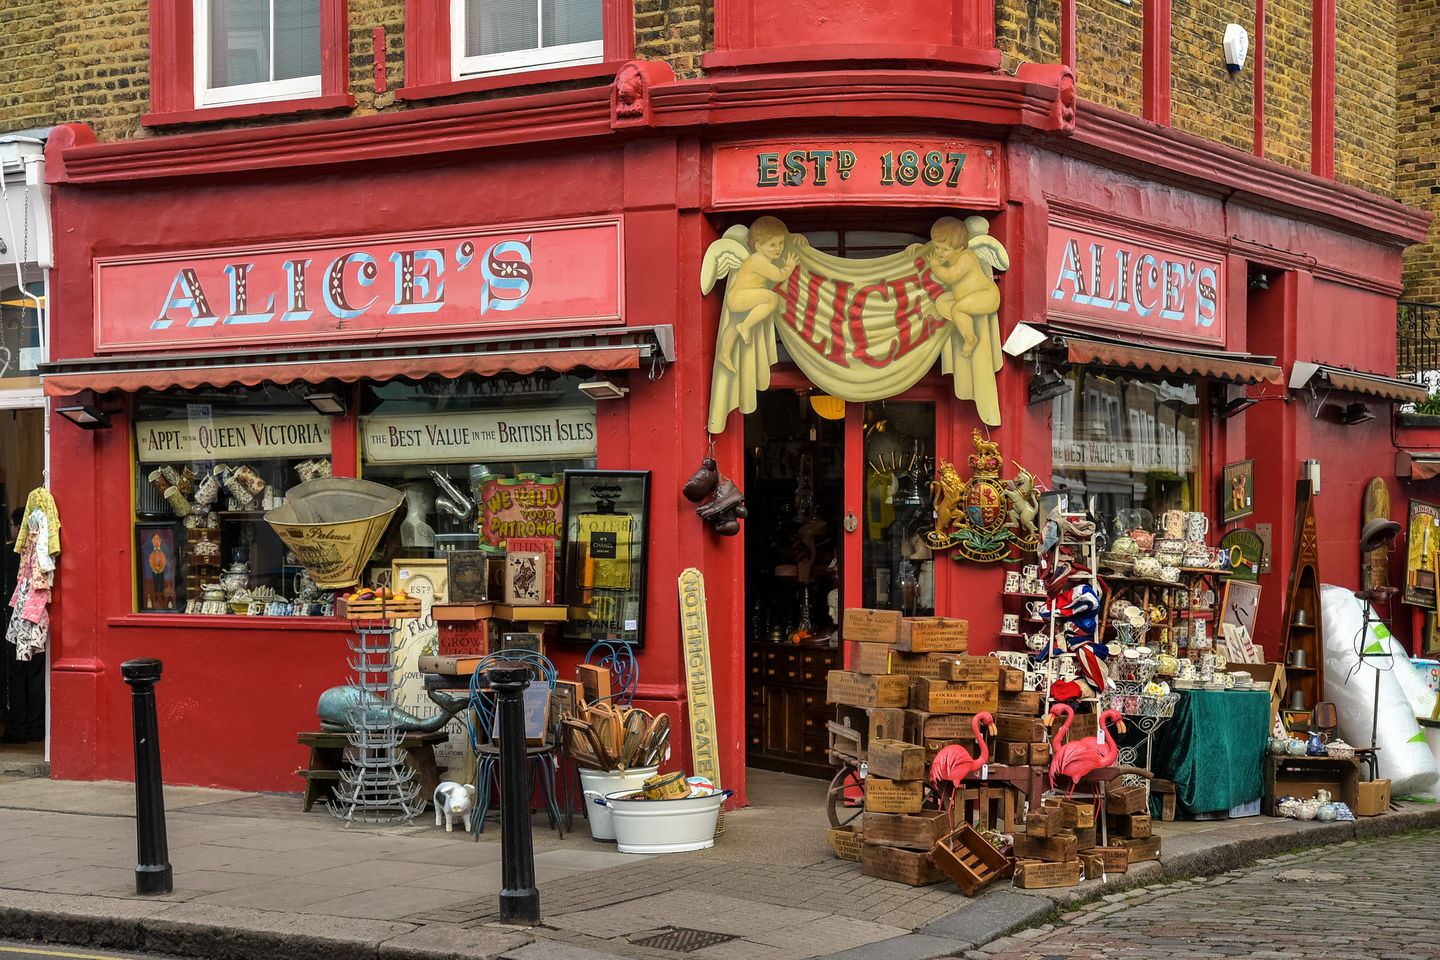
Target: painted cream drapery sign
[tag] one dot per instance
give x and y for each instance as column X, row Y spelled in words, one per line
column 859, row 329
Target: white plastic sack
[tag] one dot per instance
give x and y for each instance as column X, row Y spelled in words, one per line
column 1404, row 757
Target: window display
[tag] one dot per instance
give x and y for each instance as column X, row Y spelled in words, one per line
column 1127, row 446
column 209, row 463
column 607, row 515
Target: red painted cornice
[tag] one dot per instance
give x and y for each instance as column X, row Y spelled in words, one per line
column 1129, row 144
column 565, row 115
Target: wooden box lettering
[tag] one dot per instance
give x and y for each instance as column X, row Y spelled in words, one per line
column 958, row 698
column 922, row 725
column 1026, row 703
column 1115, row 858
column 912, row 867
column 846, row 842
column 463, row 638
column 870, row 626
column 894, row 796
column 1034, row 875
column 914, row 831
column 896, row 760
column 869, row 657
column 933, row 634
column 866, row 690
column 970, row 668
column 916, row 664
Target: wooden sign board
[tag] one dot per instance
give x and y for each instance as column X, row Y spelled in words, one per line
column 699, row 685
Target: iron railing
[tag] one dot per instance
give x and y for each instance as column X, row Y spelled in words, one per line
column 1417, row 343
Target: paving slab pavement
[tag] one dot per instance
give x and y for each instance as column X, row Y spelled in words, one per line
column 254, row 875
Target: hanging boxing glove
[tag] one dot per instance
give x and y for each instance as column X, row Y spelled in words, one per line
column 703, row 483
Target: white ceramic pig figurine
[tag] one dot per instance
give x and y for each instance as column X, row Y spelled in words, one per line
column 454, row 800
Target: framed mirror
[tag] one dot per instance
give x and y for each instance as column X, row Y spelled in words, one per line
column 607, row 521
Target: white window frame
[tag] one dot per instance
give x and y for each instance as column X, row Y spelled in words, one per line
column 515, row 61
column 264, row 92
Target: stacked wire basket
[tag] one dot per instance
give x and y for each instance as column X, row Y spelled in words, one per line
column 1126, row 692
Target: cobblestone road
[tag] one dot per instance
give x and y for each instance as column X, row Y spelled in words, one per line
column 1362, row 900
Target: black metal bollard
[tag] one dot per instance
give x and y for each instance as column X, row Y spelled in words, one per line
column 153, row 874
column 519, row 899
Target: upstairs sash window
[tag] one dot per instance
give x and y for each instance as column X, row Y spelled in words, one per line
column 252, row 51
column 506, row 36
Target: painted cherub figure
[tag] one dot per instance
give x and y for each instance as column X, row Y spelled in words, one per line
column 751, row 297
column 970, row 291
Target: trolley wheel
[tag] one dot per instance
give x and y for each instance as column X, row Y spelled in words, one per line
column 845, row 801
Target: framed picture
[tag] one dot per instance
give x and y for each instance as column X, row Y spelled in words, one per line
column 1422, row 541
column 157, row 568
column 607, row 520
column 1237, row 491
column 378, row 576
column 1239, row 608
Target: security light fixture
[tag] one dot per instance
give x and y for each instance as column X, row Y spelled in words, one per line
column 1047, row 385
column 85, row 416
column 603, row 390
column 326, row 402
column 1356, row 413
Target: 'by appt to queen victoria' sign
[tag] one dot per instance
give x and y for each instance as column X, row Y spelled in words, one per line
column 1110, row 280
column 528, row 275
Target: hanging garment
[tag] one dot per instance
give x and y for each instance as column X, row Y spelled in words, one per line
column 29, row 628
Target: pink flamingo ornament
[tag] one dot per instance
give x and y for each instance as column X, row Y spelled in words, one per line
column 1074, row 760
column 953, row 764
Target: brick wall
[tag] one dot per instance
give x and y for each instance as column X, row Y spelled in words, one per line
column 1365, row 67
column 1418, row 148
column 1108, row 54
column 1206, row 99
column 27, row 67
column 677, row 31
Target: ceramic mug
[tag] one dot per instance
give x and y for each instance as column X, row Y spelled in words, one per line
column 1010, row 623
column 1012, row 581
column 1172, row 524
column 1196, row 525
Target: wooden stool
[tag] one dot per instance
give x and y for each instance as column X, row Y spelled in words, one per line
column 327, row 758
column 1165, row 790
column 987, row 807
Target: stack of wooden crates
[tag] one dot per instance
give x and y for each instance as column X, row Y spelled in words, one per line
column 911, row 690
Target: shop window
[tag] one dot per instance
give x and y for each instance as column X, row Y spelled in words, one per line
column 479, row 460
column 1129, row 444
column 20, row 331
column 222, row 59
column 899, row 568
column 208, row 464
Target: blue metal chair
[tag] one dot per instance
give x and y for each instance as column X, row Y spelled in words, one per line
column 624, row 670
column 543, row 758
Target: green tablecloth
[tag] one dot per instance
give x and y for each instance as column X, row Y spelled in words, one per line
column 1214, row 749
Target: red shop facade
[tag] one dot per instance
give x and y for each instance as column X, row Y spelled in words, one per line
column 453, row 266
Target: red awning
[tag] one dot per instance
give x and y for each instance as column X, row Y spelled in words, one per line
column 619, row 349
column 1371, row 384
column 1215, row 364
column 1417, row 464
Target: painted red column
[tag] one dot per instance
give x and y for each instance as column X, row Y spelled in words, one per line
column 1259, row 61
column 1322, row 89
column 1155, row 65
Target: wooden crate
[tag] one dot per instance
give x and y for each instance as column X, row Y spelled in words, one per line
column 1025, row 703
column 1035, row 875
column 377, row 609
column 894, row 796
column 1133, row 825
column 1093, row 865
column 1115, row 858
column 1130, row 798
column 969, row 859
column 1053, row 849
column 896, row 760
column 1075, row 814
column 1039, row 754
column 1085, row 837
column 1003, row 751
column 1144, row 848
column 943, row 696
column 922, row 725
column 987, row 807
column 869, row 657
column 870, row 626
column 914, row 831
column 917, row 664
column 846, row 842
column 970, row 668
column 911, row 867
column 1044, row 822
column 1021, row 729
column 1012, row 680
column 867, row 690
column 933, row 635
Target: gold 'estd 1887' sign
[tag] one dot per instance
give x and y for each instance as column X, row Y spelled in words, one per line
column 699, row 688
